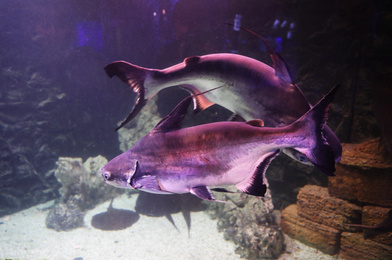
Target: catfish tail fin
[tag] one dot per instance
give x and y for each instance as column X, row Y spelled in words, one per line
column 134, row 76
column 320, row 154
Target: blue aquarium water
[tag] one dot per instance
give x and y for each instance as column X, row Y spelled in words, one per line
column 242, row 176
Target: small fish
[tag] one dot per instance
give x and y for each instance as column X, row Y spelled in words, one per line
column 172, row 160
column 114, row 219
column 252, row 89
column 372, row 231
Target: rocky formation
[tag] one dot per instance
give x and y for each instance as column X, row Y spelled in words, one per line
column 65, row 216
column 26, row 159
column 139, row 127
column 249, row 222
column 363, row 175
column 354, row 246
column 82, row 189
column 310, row 233
column 42, row 118
column 358, row 194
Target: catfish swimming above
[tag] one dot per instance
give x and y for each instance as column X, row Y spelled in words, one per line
column 173, row 160
column 252, row 89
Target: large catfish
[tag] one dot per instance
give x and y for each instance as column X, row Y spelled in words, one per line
column 171, row 159
column 253, row 90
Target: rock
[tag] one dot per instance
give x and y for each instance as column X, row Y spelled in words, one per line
column 21, row 186
column 366, row 155
column 82, row 188
column 363, row 175
column 315, row 204
column 93, row 167
column 286, row 176
column 356, row 184
column 372, row 216
column 144, row 122
column 65, row 216
column 84, row 180
column 316, row 235
column 354, row 246
column 248, row 223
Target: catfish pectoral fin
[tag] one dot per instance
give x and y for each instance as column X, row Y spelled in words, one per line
column 203, row 192
column 147, row 182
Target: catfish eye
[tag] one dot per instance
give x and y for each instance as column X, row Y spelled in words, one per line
column 106, row 175
column 302, row 158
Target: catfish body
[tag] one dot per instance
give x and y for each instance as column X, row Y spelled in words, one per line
column 251, row 89
column 174, row 160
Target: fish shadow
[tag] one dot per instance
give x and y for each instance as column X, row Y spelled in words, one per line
column 114, row 219
column 157, row 205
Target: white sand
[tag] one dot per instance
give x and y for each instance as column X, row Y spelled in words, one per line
column 24, row 236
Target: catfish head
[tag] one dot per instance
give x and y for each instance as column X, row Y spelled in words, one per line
column 119, row 171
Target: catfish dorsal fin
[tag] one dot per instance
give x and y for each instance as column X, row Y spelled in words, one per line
column 173, row 121
column 281, row 69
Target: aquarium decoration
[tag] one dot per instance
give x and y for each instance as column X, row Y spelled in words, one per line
column 58, row 109
column 322, row 216
column 82, row 189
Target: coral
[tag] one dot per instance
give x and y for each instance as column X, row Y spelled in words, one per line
column 84, row 180
column 82, row 189
column 248, row 222
column 65, row 216
column 139, row 127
